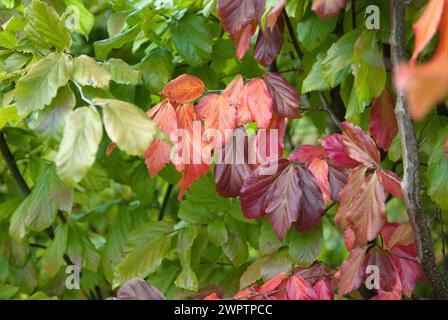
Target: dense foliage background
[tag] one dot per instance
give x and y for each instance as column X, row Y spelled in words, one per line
column 86, row 178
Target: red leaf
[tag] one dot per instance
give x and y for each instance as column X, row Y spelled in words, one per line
column 378, row 257
column 298, row 289
column 312, row 204
column 335, row 150
column 110, row 148
column 285, row 98
column 274, row 13
column 268, row 143
column 319, row 169
column 273, row 284
column 184, row 88
column 233, row 167
column 359, row 146
column 269, row 43
column 212, row 296
column 218, row 115
column 383, row 123
column 362, row 206
column 193, row 162
column 391, row 182
column 276, row 193
column 307, row 153
column 255, row 97
column 426, row 27
column 337, row 177
column 349, row 239
column 158, row 153
column 352, row 271
column 327, row 8
column 446, row 146
column 324, row 289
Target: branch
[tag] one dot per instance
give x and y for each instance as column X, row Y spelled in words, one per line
column 166, row 198
column 411, row 178
column 12, row 166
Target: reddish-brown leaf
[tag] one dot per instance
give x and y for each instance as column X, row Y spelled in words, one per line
column 255, row 97
column 351, row 272
column 158, row 153
column 193, row 162
column 359, row 146
column 219, row 117
column 269, row 43
column 328, row 8
column 311, row 204
column 273, row 189
column 320, row 170
column 324, row 289
column 307, row 153
column 446, row 147
column 426, row 27
column 337, row 177
column 233, row 166
column 335, row 151
column 268, row 143
column 184, row 88
column 383, row 123
column 391, row 182
column 298, row 289
column 362, row 205
column 378, row 257
column 274, row 13
column 284, row 97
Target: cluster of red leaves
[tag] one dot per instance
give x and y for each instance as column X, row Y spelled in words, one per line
column 241, row 19
column 268, row 100
column 301, row 284
column 396, row 262
column 427, row 84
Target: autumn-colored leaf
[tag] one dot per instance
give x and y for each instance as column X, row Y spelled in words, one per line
column 274, row 13
column 285, row 98
column 426, row 27
column 307, row 153
column 158, row 153
column 234, row 165
column 337, row 178
column 312, row 203
column 383, row 122
column 269, row 43
column 359, row 146
column 446, row 147
column 362, row 205
column 183, row 89
column 256, row 97
column 320, row 170
column 327, row 8
column 391, row 182
column 387, row 277
column 268, row 143
column 335, row 150
column 298, row 289
column 219, row 117
column 351, row 272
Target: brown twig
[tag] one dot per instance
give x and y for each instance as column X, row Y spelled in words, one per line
column 411, row 177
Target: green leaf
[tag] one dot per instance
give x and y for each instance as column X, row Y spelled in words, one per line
column 8, row 114
column 315, row 81
column 217, row 233
column 127, row 125
column 336, row 65
column 82, row 134
column 40, row 85
column 193, row 39
column 83, row 19
column 368, row 67
column 142, row 184
column 305, row 247
column 268, row 242
column 38, row 210
column 147, row 248
column 313, row 31
column 354, row 108
column 45, row 28
column 157, row 69
column 50, row 122
column 87, row 72
column 438, row 172
column 104, row 47
column 187, row 278
column 53, row 258
column 121, row 72
column 236, row 248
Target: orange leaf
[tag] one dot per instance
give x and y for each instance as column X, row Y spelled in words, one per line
column 319, row 169
column 256, row 97
column 184, row 88
column 426, row 27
